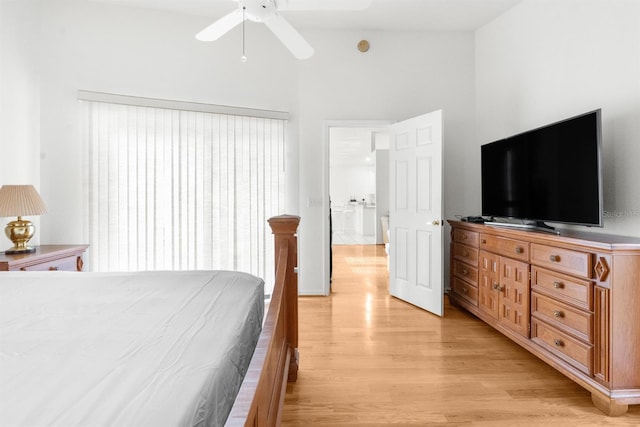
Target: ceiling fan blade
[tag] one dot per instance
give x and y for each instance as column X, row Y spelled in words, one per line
column 221, row 26
column 290, row 37
column 323, row 4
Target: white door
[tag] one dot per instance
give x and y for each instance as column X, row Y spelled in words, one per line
column 415, row 214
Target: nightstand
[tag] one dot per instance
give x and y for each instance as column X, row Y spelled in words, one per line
column 46, row 258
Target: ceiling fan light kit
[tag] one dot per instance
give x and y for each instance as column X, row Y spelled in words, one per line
column 267, row 12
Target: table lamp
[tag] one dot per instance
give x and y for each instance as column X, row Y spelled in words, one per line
column 20, row 200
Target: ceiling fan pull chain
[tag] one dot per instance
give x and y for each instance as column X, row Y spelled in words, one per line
column 244, row 9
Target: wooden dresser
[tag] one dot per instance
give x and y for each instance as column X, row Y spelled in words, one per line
column 46, row 258
column 572, row 299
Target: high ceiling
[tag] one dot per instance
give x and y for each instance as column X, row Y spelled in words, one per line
column 385, row 15
column 353, row 146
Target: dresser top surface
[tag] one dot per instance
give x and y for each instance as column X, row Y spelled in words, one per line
column 601, row 240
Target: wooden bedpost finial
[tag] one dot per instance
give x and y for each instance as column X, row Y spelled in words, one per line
column 284, row 224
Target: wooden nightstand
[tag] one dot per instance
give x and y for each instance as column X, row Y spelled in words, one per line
column 46, row 258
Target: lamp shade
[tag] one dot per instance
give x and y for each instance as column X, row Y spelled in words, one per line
column 20, row 200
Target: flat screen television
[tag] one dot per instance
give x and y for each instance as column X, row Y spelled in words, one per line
column 552, row 173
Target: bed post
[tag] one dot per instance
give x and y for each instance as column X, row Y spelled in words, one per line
column 260, row 399
column 284, row 229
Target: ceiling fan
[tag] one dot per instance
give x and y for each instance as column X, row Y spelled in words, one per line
column 267, row 12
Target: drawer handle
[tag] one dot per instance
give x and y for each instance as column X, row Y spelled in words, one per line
column 519, row 249
column 558, row 285
column 464, row 290
column 554, row 258
column 484, row 241
column 558, row 313
column 465, row 253
column 465, row 271
column 53, row 268
column 497, row 287
column 558, row 343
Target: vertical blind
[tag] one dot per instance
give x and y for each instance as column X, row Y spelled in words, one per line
column 174, row 189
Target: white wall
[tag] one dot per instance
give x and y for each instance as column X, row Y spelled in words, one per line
column 402, row 75
column 352, row 181
column 546, row 60
column 20, row 99
column 19, row 93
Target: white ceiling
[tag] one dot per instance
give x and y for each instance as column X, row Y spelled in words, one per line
column 385, row 15
column 351, row 146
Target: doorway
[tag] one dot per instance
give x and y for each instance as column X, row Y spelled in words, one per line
column 415, row 222
column 356, row 183
column 357, row 156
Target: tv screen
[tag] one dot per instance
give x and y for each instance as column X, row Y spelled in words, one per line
column 547, row 174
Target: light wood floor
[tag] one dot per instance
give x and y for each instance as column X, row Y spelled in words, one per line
column 368, row 358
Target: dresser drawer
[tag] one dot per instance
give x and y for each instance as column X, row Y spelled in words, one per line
column 465, row 271
column 563, row 345
column 62, row 264
column 467, row 237
column 563, row 260
column 564, row 288
column 465, row 253
column 571, row 320
column 465, row 290
column 515, row 249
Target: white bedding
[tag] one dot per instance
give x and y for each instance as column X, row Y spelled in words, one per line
column 125, row 349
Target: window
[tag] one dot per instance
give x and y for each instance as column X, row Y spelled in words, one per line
column 176, row 189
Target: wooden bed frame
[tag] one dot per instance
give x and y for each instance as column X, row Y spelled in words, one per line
column 275, row 360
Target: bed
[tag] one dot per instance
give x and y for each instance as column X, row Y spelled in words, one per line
column 179, row 348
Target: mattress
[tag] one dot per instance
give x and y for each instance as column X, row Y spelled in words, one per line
column 125, row 349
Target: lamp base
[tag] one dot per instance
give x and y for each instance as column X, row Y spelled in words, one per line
column 20, row 232
column 27, row 250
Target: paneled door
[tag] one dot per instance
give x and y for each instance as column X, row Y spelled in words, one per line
column 415, row 214
column 489, row 298
column 514, row 298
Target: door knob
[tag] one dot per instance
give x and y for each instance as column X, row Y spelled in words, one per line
column 435, row 222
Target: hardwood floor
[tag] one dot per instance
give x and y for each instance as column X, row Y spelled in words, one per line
column 369, row 359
